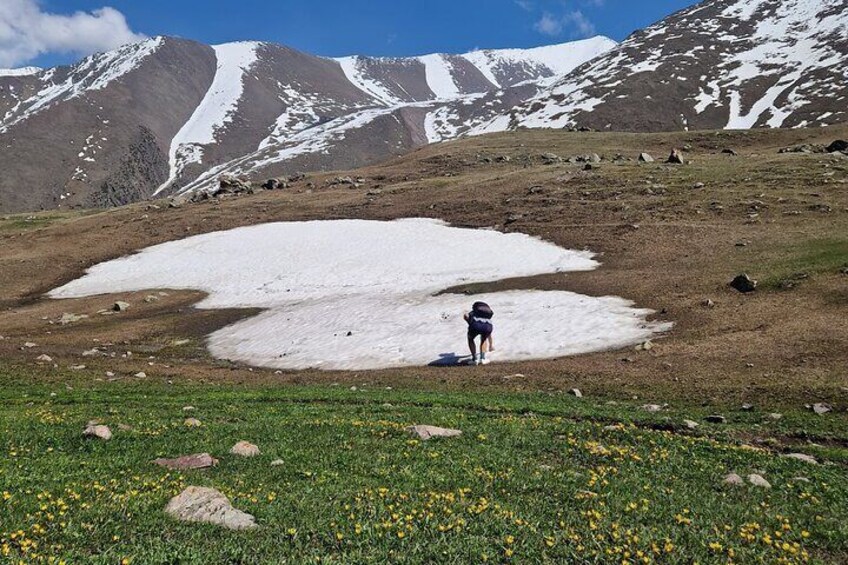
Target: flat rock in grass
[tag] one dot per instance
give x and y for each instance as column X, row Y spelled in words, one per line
column 715, row 419
column 653, row 407
column 277, row 463
column 71, row 318
column 245, row 449
column 192, row 423
column 576, row 393
column 97, row 431
column 196, row 461
column 645, row 158
column 802, row 457
column 758, row 481
column 428, row 432
column 734, row 480
column 207, row 505
column 120, row 306
column 691, row 424
column 821, row 408
column 44, row 358
column 775, row 416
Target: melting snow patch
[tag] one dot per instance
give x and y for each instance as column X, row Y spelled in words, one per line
column 355, row 294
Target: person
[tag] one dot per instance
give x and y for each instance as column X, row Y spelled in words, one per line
column 480, row 325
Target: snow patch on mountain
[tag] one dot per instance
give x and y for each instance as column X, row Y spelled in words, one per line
column 440, row 76
column 20, row 72
column 216, row 109
column 356, row 71
column 95, row 72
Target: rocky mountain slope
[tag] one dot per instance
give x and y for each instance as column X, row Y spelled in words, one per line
column 733, row 64
column 168, row 115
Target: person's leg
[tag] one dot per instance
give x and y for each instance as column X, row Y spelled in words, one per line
column 484, row 343
column 491, row 343
column 472, row 346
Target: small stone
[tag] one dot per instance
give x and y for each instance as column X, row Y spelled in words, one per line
column 77, row 367
column 98, row 431
column 576, row 393
column 747, row 407
column 734, row 480
column 652, row 407
column 691, row 424
column 743, row 283
column 802, row 457
column 120, row 306
column 192, row 423
column 715, row 419
column 645, row 346
column 425, row 432
column 758, row 481
column 245, row 449
column 708, row 303
column 44, row 358
column 821, row 408
column 645, row 158
column 188, row 408
column 277, row 463
column 91, row 352
column 196, row 461
column 140, row 375
column 29, row 345
column 698, row 185
column 775, row 416
column 675, row 158
column 151, row 299
column 71, row 318
column 202, row 504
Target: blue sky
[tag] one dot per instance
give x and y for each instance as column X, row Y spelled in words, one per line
column 370, row 27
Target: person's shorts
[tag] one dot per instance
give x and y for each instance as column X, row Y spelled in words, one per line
column 481, row 329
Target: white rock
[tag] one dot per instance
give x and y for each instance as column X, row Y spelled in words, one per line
column 192, row 423
column 201, row 504
column 733, row 479
column 691, row 424
column 44, row 358
column 140, row 375
column 277, row 463
column 576, row 392
column 97, row 431
column 245, row 449
column 425, row 432
column 653, row 407
column 758, row 481
column 802, row 457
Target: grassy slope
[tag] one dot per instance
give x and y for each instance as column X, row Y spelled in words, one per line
column 534, row 477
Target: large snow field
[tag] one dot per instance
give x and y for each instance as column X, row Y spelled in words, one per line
column 357, row 294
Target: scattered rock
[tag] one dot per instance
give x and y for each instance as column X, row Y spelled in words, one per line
column 188, row 408
column 91, row 352
column 734, row 480
column 44, row 358
column 277, row 463
column 29, row 345
column 715, row 419
column 425, row 432
column 551, row 158
column 98, row 431
column 653, row 407
column 744, row 284
column 576, row 392
column 730, row 152
column 196, row 461
column 698, row 185
column 71, row 318
column 758, row 481
column 805, row 148
column 645, row 346
column 120, row 306
column 140, row 375
column 747, row 407
column 201, row 504
column 645, row 158
column 840, row 145
column 151, row 299
column 77, row 367
column 192, row 423
column 245, row 449
column 275, row 184
column 802, row 457
column 691, row 424
column 708, row 303
column 675, row 158
column 775, row 416
column 821, row 408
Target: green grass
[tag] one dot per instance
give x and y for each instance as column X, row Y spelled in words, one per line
column 812, row 257
column 534, row 478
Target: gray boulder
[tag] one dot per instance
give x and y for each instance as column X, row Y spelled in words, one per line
column 207, row 505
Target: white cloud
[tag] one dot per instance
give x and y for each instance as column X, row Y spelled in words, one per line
column 26, row 31
column 575, row 20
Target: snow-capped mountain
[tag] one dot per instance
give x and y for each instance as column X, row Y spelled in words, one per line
column 168, row 115
column 734, row 64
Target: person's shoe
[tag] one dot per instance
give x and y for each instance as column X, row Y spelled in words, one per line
column 472, row 361
column 485, row 361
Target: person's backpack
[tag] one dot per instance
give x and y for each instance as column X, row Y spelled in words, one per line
column 482, row 310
